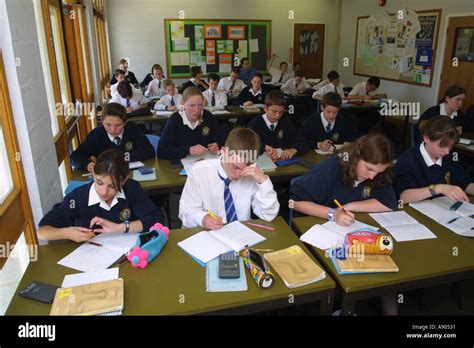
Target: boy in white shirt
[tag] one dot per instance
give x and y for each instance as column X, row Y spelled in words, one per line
column 296, row 84
column 278, row 75
column 367, row 90
column 129, row 97
column 213, row 97
column 232, row 85
column 334, row 86
column 230, row 187
column 172, row 100
column 155, row 87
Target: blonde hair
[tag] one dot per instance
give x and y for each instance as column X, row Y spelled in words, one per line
column 191, row 92
column 168, row 82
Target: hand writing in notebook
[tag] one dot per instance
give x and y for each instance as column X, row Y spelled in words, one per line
column 78, row 234
column 210, row 222
column 451, row 191
column 343, row 216
column 106, row 225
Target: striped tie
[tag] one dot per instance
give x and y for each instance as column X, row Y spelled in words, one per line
column 172, row 102
column 128, row 103
column 230, row 213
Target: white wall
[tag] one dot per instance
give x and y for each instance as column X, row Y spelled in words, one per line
column 136, row 28
column 351, row 9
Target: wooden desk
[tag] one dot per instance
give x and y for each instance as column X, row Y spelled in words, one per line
column 422, row 263
column 174, row 284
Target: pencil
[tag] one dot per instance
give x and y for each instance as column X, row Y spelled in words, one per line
column 212, row 215
column 339, row 205
column 261, row 226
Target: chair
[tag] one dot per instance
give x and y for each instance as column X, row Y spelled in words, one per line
column 290, row 207
column 154, row 140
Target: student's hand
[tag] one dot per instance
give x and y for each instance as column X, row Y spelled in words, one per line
column 197, row 150
column 343, row 217
column 459, row 129
column 366, row 97
column 255, row 172
column 106, row 225
column 129, row 109
column 90, row 167
column 213, row 148
column 271, row 152
column 209, row 223
column 248, row 103
column 78, row 234
column 324, row 145
column 287, row 154
column 171, row 108
column 452, row 192
column 346, row 143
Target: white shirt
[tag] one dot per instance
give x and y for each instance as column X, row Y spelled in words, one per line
column 165, row 101
column 186, row 121
column 112, row 139
column 113, row 88
column 220, row 97
column 135, row 102
column 225, row 83
column 259, row 91
column 329, row 88
column 155, row 89
column 276, row 74
column 326, row 122
column 94, row 199
column 268, row 123
column 426, row 157
column 443, row 112
column 290, row 86
column 204, row 190
column 359, row 90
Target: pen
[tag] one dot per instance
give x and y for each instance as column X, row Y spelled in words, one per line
column 261, row 226
column 339, row 205
column 212, row 215
column 94, row 243
column 452, row 220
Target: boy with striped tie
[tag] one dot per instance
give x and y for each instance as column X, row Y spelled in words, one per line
column 213, row 97
column 228, row 188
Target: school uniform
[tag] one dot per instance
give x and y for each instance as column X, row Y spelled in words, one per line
column 278, row 76
column 169, row 100
column 416, row 169
column 134, row 102
column 216, row 98
column 279, row 135
column 246, row 75
column 130, row 77
column 323, row 184
column 339, row 89
column 359, row 90
column 130, row 204
column 292, row 87
column 179, row 135
column 155, row 88
column 191, row 83
column 205, row 189
column 132, row 141
column 113, row 88
column 231, row 87
column 368, row 118
column 247, row 94
column 316, row 129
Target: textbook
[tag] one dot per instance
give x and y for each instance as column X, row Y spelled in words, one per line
column 102, row 298
column 295, row 267
column 216, row 284
column 207, row 245
column 265, row 163
column 366, row 263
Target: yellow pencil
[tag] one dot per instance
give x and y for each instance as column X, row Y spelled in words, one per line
column 339, row 205
column 212, row 215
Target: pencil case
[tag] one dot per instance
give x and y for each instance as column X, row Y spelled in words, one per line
column 287, row 162
column 367, row 241
column 148, row 245
column 258, row 269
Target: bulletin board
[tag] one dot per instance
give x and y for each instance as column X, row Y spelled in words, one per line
column 399, row 47
column 215, row 45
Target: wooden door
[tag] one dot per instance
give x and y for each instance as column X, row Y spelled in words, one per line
column 460, row 43
column 308, row 48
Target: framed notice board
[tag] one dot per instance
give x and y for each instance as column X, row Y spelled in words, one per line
column 399, row 46
column 215, row 45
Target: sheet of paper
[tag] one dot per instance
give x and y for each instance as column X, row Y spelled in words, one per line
column 434, row 211
column 134, row 165
column 181, row 44
column 395, row 218
column 177, row 30
column 116, row 240
column 410, row 232
column 220, row 112
column 90, row 258
column 163, row 113
column 265, row 163
column 189, row 161
column 90, row 277
column 179, row 58
column 253, row 45
column 356, row 225
column 243, row 48
column 204, row 246
column 237, row 235
column 322, row 238
column 463, row 226
column 466, row 208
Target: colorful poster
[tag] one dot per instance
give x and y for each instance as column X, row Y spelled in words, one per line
column 180, row 45
column 220, row 46
column 211, row 52
column 199, row 37
column 242, row 51
column 194, row 57
column 229, row 46
column 177, row 30
column 179, row 58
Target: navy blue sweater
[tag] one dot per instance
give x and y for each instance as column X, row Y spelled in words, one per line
column 246, row 95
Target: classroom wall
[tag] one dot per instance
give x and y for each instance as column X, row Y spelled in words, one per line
column 18, row 39
column 351, row 9
column 136, row 28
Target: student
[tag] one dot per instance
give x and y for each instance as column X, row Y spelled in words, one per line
column 359, row 179
column 191, row 130
column 276, row 130
column 296, row 84
column 430, row 169
column 149, row 77
column 129, row 97
column 255, row 94
column 323, row 131
column 334, row 85
column 367, row 90
column 129, row 76
column 213, row 97
column 278, row 75
column 450, row 105
column 111, row 203
column 231, row 187
column 246, row 71
column 114, row 133
column 155, row 87
column 172, row 100
column 296, row 67
column 195, row 81
column 119, row 76
column 232, row 85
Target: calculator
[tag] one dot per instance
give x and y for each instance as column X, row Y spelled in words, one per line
column 229, row 265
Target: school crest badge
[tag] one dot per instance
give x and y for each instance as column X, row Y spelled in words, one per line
column 447, row 178
column 366, row 192
column 125, row 214
column 280, row 134
column 205, row 130
column 129, row 146
column 335, row 136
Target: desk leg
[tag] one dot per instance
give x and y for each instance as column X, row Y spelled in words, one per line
column 327, row 304
column 348, row 305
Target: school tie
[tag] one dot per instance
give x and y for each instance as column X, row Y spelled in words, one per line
column 328, row 128
column 117, row 141
column 230, row 213
column 159, row 83
column 335, row 89
column 272, row 127
column 232, row 86
column 281, row 78
column 213, row 100
column 128, row 103
column 172, row 102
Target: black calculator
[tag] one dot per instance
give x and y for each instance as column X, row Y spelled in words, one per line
column 229, row 265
